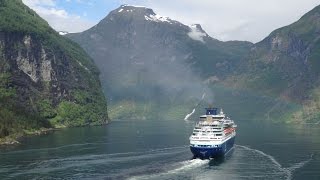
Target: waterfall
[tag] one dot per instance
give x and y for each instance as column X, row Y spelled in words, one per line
column 188, row 115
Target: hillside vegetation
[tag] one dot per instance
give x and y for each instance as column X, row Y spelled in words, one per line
column 285, row 65
column 46, row 80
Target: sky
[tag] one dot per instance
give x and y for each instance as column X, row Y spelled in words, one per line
column 249, row 20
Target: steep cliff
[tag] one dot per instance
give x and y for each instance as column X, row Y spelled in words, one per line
column 46, row 80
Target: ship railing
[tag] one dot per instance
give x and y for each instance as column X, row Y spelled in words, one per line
column 206, row 138
column 209, row 123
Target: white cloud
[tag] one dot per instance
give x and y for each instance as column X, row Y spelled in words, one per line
column 232, row 19
column 250, row 20
column 59, row 19
column 39, row 2
column 196, row 34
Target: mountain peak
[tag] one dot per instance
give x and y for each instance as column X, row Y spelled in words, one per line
column 132, row 6
column 134, row 9
column 197, row 27
column 128, row 16
column 197, row 33
column 140, row 12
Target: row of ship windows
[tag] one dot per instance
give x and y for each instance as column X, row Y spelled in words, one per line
column 208, row 132
column 213, row 127
column 205, row 131
column 208, row 126
column 193, row 145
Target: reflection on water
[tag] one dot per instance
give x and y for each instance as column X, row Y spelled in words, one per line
column 158, row 149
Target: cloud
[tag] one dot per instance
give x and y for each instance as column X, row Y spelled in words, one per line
column 39, row 2
column 250, row 20
column 59, row 18
column 196, row 34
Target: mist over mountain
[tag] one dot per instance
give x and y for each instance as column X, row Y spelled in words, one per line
column 158, row 75
column 144, row 57
column 151, row 66
column 286, row 65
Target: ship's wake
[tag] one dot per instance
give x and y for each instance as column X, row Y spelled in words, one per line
column 160, row 163
column 244, row 162
column 180, row 170
column 111, row 165
column 287, row 171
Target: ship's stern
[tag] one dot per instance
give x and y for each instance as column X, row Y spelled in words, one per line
column 206, row 152
column 212, row 151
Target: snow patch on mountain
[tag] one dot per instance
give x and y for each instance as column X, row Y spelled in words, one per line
column 127, row 5
column 62, row 33
column 196, row 33
column 157, row 18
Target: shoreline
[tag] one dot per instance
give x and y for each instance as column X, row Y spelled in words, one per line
column 14, row 139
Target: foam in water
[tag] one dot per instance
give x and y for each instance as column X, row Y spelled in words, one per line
column 160, row 163
column 182, row 167
column 187, row 165
column 77, row 162
column 296, row 166
column 288, row 170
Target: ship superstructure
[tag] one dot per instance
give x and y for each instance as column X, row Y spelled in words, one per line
column 213, row 135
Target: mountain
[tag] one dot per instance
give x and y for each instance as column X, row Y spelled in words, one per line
column 150, row 63
column 286, row 65
column 46, row 79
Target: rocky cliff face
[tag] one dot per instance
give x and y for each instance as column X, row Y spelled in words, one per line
column 33, row 65
column 51, row 78
column 37, row 69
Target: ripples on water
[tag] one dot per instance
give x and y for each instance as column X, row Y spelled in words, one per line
column 164, row 163
column 159, row 150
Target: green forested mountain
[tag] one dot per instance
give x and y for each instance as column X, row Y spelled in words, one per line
column 46, row 80
column 147, row 58
column 286, row 64
column 155, row 66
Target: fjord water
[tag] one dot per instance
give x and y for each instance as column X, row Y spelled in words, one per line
column 158, row 149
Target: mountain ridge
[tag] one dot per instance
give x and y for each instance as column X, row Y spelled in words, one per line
column 285, row 64
column 282, row 65
column 145, row 58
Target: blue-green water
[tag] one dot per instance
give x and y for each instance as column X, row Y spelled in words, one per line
column 158, row 149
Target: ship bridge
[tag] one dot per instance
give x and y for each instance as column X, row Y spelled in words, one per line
column 212, row 114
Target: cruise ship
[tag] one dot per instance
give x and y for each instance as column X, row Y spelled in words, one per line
column 213, row 135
